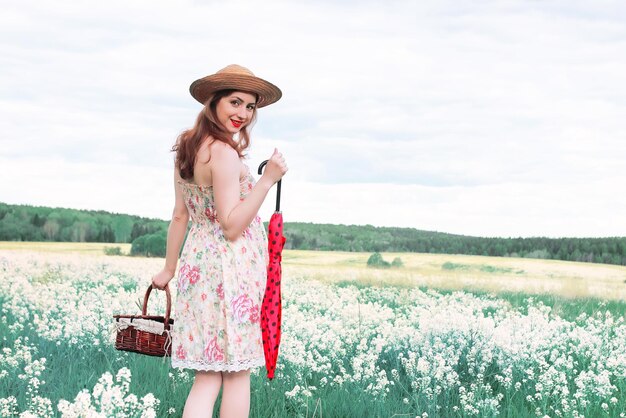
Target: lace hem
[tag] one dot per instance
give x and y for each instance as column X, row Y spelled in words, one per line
column 234, row 366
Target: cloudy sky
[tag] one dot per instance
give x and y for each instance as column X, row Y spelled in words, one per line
column 470, row 117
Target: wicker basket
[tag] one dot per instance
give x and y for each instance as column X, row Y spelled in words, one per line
column 145, row 334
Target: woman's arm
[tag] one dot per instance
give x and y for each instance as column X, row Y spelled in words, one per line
column 234, row 214
column 175, row 236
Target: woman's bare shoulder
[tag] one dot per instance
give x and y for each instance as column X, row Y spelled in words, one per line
column 213, row 148
column 223, row 153
column 222, row 147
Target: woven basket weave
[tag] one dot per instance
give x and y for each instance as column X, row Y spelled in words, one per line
column 137, row 333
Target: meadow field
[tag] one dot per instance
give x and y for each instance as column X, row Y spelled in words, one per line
column 442, row 336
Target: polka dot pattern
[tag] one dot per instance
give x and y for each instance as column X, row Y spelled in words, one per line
column 271, row 308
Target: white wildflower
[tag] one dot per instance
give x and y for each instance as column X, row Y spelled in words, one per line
column 293, row 392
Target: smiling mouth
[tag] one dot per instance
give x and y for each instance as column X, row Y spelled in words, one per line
column 236, row 123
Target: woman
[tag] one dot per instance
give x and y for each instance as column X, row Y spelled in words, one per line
column 222, row 271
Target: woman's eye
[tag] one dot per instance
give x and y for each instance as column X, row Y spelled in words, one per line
column 251, row 107
column 235, row 102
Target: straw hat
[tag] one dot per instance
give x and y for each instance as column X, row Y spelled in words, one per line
column 238, row 78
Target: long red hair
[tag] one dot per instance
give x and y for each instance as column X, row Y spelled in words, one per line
column 189, row 142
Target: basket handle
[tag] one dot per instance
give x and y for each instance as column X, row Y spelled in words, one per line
column 168, row 308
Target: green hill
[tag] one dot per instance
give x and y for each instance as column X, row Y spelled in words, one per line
column 36, row 223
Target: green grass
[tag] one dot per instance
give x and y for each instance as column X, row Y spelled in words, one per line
column 71, row 368
column 448, row 265
column 79, row 367
column 566, row 308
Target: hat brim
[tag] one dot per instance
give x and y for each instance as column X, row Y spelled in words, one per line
column 203, row 88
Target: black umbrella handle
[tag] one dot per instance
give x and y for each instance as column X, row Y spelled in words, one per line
column 277, row 186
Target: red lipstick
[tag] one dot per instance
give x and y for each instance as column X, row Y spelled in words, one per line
column 235, row 123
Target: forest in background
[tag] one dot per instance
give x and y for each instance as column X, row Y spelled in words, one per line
column 148, row 236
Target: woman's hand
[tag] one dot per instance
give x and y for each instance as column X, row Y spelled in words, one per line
column 276, row 167
column 161, row 279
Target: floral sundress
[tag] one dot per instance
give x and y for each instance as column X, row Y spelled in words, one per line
column 220, row 288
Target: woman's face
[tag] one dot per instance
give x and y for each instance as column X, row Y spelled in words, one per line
column 235, row 111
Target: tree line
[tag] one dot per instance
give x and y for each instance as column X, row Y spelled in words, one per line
column 40, row 223
column 148, row 236
column 308, row 236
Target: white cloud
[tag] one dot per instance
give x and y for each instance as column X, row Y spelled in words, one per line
column 492, row 210
column 495, row 107
column 106, row 186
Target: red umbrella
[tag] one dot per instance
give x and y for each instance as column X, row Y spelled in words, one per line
column 271, row 308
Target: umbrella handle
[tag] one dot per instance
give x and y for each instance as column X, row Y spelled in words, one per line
column 277, row 186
